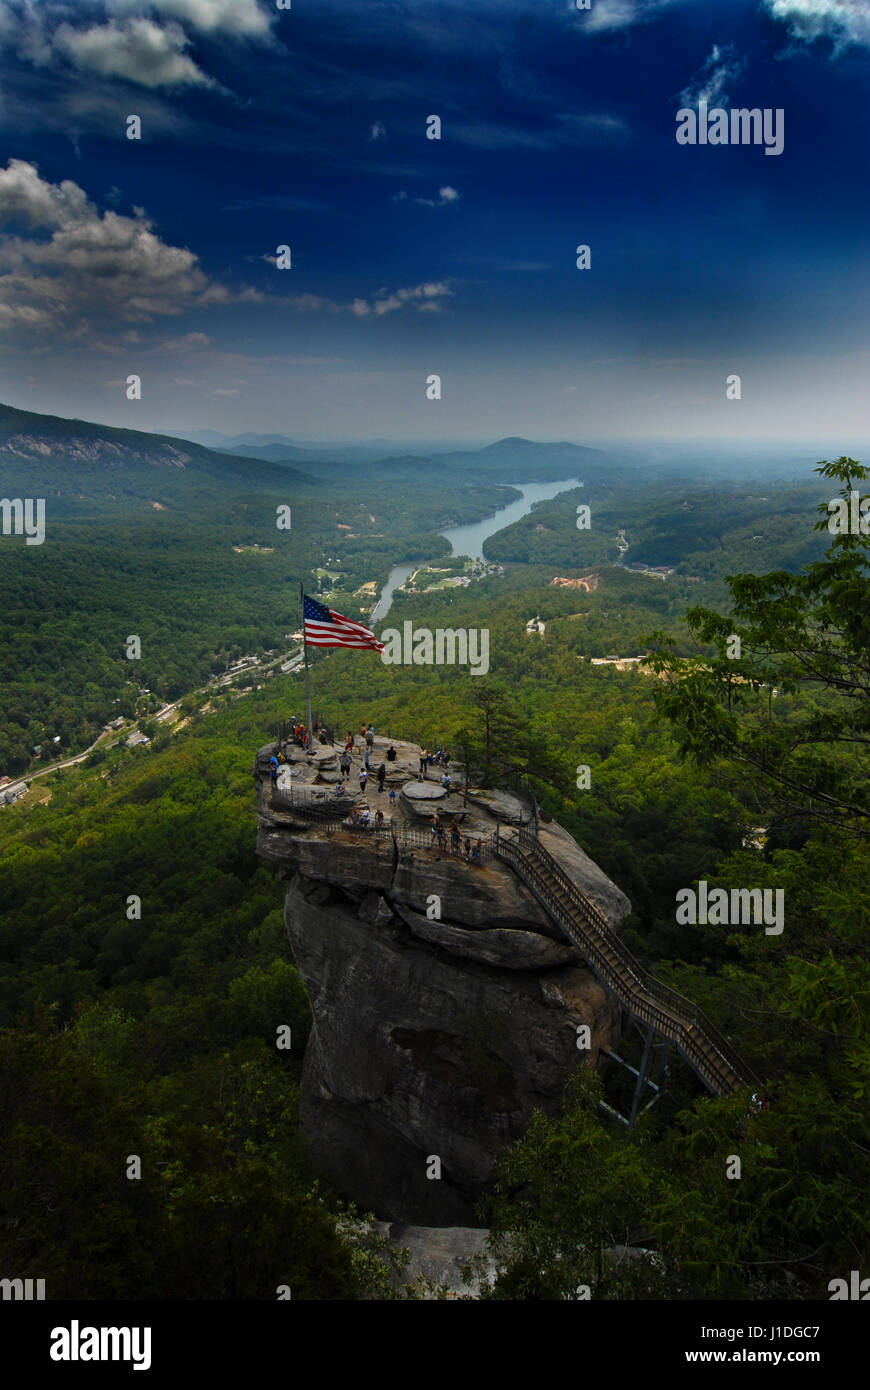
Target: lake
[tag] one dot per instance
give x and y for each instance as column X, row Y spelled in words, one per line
column 468, row 540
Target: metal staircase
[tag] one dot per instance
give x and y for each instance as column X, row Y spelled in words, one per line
column 661, row 1012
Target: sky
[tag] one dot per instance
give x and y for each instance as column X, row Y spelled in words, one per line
column 411, row 257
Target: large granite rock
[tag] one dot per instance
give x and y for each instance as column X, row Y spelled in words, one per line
column 445, row 1002
column 415, row 1056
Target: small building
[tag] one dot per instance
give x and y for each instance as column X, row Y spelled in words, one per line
column 136, row 739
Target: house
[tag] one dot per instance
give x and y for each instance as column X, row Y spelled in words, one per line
column 13, row 793
column 135, row 739
column 116, row 723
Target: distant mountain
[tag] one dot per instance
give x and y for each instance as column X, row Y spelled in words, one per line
column 515, row 446
column 79, row 460
column 272, row 453
column 226, row 443
column 516, row 460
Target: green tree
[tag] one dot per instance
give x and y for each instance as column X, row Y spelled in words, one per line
column 806, row 635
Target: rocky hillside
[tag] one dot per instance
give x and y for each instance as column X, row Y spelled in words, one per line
column 445, row 1004
column 58, row 456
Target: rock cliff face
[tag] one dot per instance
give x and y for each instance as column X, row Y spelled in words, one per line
column 445, row 1004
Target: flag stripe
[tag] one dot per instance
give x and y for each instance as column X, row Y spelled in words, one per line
column 326, row 628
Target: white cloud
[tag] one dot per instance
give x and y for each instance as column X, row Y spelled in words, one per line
column 426, row 298
column 244, row 18
column 225, row 391
column 88, row 264
column 141, row 41
column 445, row 195
column 608, row 15
column 378, row 131
column 138, row 51
column 845, row 22
column 722, row 65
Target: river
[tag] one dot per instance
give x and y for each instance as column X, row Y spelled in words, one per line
column 468, row 540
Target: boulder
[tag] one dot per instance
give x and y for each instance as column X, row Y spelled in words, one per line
column 585, row 872
column 505, row 948
column 472, row 895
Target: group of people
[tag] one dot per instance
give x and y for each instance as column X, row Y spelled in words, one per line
column 361, row 817
column 471, row 852
column 440, row 759
column 367, row 741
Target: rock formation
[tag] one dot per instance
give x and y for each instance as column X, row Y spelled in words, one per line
column 445, row 1002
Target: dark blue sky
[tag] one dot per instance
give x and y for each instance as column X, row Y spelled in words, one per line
column 413, row 256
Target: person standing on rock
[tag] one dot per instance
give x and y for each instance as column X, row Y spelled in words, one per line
column 363, row 778
column 349, row 744
column 424, row 762
column 392, row 796
column 434, row 825
column 382, row 773
column 344, row 763
column 368, row 756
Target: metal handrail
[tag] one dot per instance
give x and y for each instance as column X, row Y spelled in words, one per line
column 424, row 839
column 648, row 998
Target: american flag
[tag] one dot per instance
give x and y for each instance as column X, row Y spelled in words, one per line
column 326, row 628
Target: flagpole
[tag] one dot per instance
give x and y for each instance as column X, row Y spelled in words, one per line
column 307, row 672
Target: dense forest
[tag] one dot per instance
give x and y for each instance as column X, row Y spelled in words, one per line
column 154, row 1034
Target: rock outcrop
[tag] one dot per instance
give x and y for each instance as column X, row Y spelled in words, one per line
column 445, row 1003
